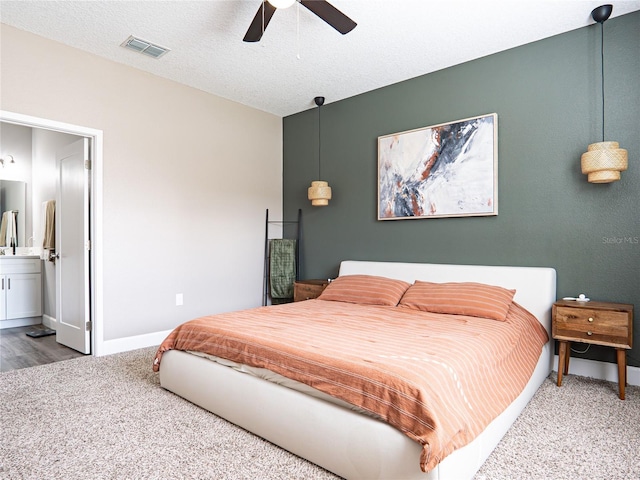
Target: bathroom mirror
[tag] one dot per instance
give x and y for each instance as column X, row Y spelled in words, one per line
column 13, row 198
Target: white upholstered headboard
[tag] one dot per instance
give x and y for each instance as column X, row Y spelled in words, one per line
column 535, row 286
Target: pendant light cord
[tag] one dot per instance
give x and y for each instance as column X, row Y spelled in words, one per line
column 602, row 71
column 298, row 30
column 319, row 143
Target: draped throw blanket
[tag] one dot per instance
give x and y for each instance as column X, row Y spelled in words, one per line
column 282, row 268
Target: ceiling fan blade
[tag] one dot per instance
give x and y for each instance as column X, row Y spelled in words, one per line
column 330, row 14
column 257, row 27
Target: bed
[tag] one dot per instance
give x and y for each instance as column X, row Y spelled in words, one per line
column 357, row 443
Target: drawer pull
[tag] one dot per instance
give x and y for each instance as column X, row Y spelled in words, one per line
column 590, row 319
column 589, row 333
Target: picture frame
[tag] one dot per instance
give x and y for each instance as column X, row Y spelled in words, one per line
column 440, row 171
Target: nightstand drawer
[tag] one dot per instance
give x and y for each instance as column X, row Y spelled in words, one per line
column 308, row 289
column 604, row 327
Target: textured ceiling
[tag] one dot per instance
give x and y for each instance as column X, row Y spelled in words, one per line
column 300, row 56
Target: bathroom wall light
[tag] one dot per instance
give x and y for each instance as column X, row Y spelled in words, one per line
column 6, row 159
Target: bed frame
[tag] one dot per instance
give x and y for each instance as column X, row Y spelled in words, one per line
column 349, row 444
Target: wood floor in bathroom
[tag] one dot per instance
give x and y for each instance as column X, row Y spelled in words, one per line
column 17, row 350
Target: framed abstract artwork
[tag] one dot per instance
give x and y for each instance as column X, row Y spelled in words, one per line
column 446, row 170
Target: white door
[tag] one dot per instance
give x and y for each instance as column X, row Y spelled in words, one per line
column 73, row 312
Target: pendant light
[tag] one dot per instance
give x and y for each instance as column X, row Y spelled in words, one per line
column 603, row 161
column 319, row 192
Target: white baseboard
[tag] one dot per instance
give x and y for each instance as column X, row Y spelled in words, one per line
column 119, row 345
column 132, row 343
column 20, row 322
column 600, row 370
column 49, row 322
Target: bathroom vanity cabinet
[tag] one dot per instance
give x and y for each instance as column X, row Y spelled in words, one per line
column 20, row 291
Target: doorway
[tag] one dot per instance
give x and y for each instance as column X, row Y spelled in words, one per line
column 94, row 221
column 17, row 350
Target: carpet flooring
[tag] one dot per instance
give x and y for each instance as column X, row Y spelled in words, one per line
column 108, row 418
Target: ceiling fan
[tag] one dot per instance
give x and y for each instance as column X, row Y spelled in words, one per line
column 321, row 8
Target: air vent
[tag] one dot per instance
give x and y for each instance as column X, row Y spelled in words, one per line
column 142, row 46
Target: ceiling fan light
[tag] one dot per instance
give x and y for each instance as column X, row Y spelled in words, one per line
column 282, row 3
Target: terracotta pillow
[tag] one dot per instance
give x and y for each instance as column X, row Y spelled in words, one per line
column 365, row 289
column 473, row 299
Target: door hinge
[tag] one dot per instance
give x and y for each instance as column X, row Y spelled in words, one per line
column 88, row 326
column 87, row 245
column 87, row 164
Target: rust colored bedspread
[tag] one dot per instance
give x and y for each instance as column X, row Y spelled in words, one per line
column 440, row 379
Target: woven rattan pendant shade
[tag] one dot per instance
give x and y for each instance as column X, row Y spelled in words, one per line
column 603, row 162
column 319, row 193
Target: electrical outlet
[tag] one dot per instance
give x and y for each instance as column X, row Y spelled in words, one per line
column 179, row 299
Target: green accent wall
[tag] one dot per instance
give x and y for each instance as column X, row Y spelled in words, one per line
column 548, row 100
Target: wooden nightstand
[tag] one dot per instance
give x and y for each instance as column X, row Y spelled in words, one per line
column 308, row 289
column 600, row 323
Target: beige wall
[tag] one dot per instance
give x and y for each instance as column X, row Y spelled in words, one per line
column 187, row 177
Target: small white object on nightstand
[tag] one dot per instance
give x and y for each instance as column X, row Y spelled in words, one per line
column 580, row 298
